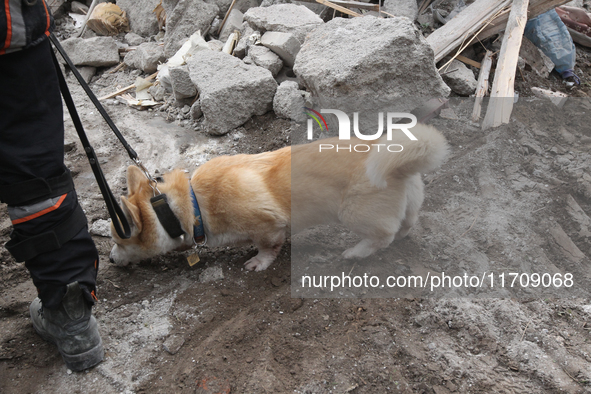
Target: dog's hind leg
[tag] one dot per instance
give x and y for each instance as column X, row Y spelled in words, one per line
column 414, row 200
column 368, row 246
column 376, row 216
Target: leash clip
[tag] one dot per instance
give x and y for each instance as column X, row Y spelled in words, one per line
column 153, row 183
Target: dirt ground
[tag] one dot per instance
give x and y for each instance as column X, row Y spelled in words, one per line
column 515, row 196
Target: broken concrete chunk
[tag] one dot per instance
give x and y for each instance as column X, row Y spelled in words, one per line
column 579, row 216
column 394, row 60
column 230, row 92
column 195, row 111
column 264, row 57
column 87, row 73
column 566, row 245
column 448, row 113
column 289, row 101
column 234, row 22
column 283, row 44
column 211, row 274
column 406, row 8
column 173, row 344
column 245, row 5
column 157, row 91
column 101, row 227
column 94, row 52
column 460, row 78
column 142, row 19
column 558, row 98
column 215, row 45
column 537, row 60
column 184, row 19
column 146, row 57
column 182, row 86
column 286, row 18
column 134, row 39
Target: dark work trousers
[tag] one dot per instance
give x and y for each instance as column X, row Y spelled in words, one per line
column 32, row 146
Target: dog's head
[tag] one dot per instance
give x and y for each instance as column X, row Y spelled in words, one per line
column 148, row 237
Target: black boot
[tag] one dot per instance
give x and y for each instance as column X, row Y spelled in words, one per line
column 71, row 327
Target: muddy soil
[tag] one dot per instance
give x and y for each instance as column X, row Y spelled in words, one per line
column 518, row 193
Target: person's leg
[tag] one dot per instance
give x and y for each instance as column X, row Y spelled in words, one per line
column 49, row 227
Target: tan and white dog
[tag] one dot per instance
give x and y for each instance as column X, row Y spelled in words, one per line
column 265, row 197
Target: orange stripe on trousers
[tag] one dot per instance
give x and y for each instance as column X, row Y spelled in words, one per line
column 41, row 213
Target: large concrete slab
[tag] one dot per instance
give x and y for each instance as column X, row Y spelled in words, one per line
column 230, row 92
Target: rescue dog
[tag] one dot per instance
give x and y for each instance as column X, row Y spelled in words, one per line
column 250, row 198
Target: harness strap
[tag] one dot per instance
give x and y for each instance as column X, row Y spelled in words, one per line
column 167, row 218
column 35, row 190
column 25, row 248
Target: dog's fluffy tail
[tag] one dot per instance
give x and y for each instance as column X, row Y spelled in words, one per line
column 425, row 154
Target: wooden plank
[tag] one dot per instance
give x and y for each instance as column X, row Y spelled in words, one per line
column 351, row 4
column 482, row 87
column 226, row 17
column 501, row 104
column 536, row 7
column 451, row 35
column 468, row 61
column 125, row 89
column 424, row 6
column 338, row 7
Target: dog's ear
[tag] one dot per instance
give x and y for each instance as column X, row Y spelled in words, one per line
column 135, row 179
column 133, row 212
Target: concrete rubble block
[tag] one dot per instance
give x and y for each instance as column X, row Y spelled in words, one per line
column 87, row 73
column 211, row 274
column 268, row 3
column 241, row 47
column 286, row 18
column 245, row 5
column 134, row 39
column 558, row 98
column 142, row 19
column 157, row 91
column 283, row 44
column 406, row 8
column 215, row 45
column 462, row 80
column 173, row 344
column 195, row 111
column 289, row 101
column 234, row 22
column 230, row 92
column 146, row 57
column 534, row 56
column 183, row 18
column 395, row 61
column 182, row 86
column 94, row 52
column 223, row 6
column 264, row 57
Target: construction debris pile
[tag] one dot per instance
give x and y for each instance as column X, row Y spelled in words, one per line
column 225, row 61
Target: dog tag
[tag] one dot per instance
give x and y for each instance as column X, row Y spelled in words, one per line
column 193, row 259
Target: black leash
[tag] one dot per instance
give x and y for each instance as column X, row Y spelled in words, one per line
column 117, row 216
column 159, row 202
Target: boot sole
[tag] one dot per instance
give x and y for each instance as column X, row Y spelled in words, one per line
column 81, row 361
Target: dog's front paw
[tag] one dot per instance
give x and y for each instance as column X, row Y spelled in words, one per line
column 258, row 264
